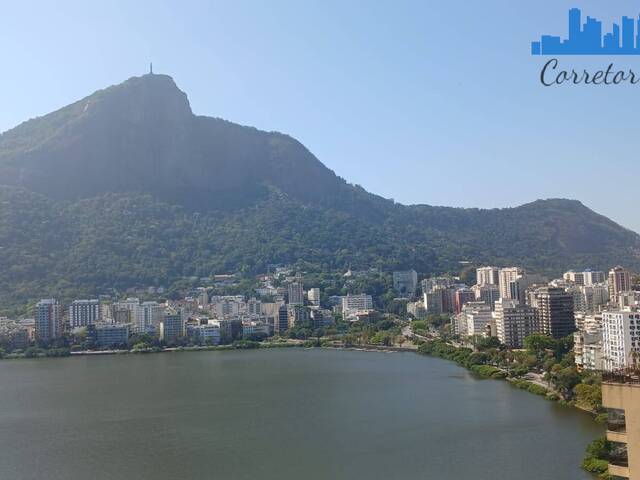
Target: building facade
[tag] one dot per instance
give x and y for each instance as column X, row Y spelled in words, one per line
column 48, row 321
column 478, row 318
column 171, row 327
column 83, row 313
column 619, row 281
column 296, row 293
column 505, row 277
column 515, row 322
column 356, row 303
column 487, row 276
column 621, row 399
column 620, row 339
column 405, row 283
column 555, row 310
column 112, row 335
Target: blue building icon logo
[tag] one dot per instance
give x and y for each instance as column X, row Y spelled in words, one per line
column 587, row 39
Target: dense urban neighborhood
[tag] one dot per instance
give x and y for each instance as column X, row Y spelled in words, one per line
column 598, row 311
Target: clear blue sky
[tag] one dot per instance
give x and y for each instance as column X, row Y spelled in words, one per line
column 423, row 102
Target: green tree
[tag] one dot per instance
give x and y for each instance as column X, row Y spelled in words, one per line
column 589, row 395
column 538, row 343
column 565, row 379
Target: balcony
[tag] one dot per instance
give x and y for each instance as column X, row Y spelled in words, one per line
column 618, row 472
column 616, row 420
column 619, row 460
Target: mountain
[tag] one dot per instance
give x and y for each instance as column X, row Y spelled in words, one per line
column 127, row 187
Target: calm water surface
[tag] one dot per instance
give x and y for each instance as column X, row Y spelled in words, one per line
column 282, row 414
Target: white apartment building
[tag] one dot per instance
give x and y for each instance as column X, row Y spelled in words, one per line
column 587, row 349
column 478, row 318
column 574, row 277
column 313, row 295
column 593, row 277
column 356, row 303
column 505, row 277
column 628, row 299
column 620, row 339
column 515, row 322
column 225, row 307
column 128, row 311
column 150, row 317
column 83, row 313
column 487, row 276
column 594, row 296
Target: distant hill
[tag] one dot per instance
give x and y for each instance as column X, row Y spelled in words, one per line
column 127, row 187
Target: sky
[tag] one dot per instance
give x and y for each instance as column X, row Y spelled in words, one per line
column 420, row 101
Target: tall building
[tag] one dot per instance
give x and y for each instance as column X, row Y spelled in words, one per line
column 587, row 342
column 128, row 311
column 620, row 339
column 152, row 314
column 593, row 277
column 429, row 284
column 594, row 297
column 518, row 287
column 433, row 301
column 254, row 307
column 171, row 327
column 479, row 320
column 555, row 310
column 621, row 399
column 356, row 303
column 321, row 318
column 281, row 320
column 487, row 293
column 83, row 313
column 296, row 293
column 515, row 322
column 628, row 299
column 298, row 315
column 225, row 307
column 449, row 299
column 203, row 297
column 462, row 296
column 313, row 295
column 619, row 281
column 487, row 276
column 574, row 277
column 48, row 321
column 405, row 283
column 505, row 277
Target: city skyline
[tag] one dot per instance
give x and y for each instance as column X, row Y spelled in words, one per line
column 587, row 38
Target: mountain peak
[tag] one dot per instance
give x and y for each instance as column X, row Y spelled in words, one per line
column 152, row 93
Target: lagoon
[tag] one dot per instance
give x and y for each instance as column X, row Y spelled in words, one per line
column 278, row 414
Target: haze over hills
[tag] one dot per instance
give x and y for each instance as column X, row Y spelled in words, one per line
column 127, row 187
